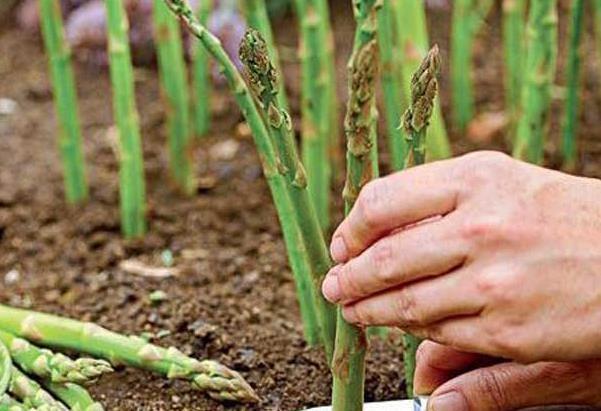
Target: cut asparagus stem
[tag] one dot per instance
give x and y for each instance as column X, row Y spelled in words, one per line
column 76, row 186
column 316, row 247
column 348, row 366
column 258, row 18
column 202, row 77
column 76, row 397
column 514, row 27
column 31, row 393
column 540, row 73
column 208, row 376
column 468, row 16
column 316, row 106
column 568, row 147
column 414, row 44
column 6, row 366
column 391, row 84
column 131, row 168
column 54, row 367
column 424, row 88
column 262, row 76
column 172, row 71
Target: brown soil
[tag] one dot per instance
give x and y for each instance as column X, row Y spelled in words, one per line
column 234, row 300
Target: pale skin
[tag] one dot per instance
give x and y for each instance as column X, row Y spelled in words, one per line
column 489, row 258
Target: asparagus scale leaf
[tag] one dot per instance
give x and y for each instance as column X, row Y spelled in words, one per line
column 218, row 381
column 31, row 393
column 5, row 368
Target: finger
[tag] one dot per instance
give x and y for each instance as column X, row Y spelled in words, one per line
column 424, row 250
column 437, row 364
column 392, row 202
column 418, row 304
column 512, row 386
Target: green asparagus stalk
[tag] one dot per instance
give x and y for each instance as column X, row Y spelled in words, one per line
column 131, row 168
column 262, row 76
column 391, row 83
column 6, row 366
column 316, row 104
column 59, row 54
column 514, row 28
column 208, row 376
column 76, row 397
column 273, row 171
column 540, row 74
column 258, row 18
column 201, row 77
column 31, row 393
column 172, row 70
column 47, row 365
column 414, row 44
column 8, row 403
column 424, row 88
column 348, row 366
column 569, row 150
column 468, row 16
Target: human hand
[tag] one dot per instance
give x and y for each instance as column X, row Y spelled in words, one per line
column 460, row 381
column 482, row 253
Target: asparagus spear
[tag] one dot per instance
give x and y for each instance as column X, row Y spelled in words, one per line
column 5, row 368
column 391, row 83
column 514, row 27
column 201, row 77
column 540, row 74
column 76, row 186
column 348, row 366
column 172, row 70
column 314, row 240
column 316, row 106
column 468, row 16
column 131, row 168
column 31, row 393
column 258, row 18
column 208, row 376
column 569, row 150
column 424, row 88
column 8, row 403
column 45, row 364
column 75, row 396
column 262, row 76
column 414, row 44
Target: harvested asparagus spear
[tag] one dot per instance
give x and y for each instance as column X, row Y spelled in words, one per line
column 172, row 70
column 8, row 403
column 54, row 367
column 272, row 169
column 208, row 376
column 514, row 27
column 31, row 393
column 568, row 147
column 6, row 366
column 424, row 88
column 348, row 366
column 468, row 16
column 258, row 18
column 201, row 77
column 76, row 397
column 132, row 189
column 262, row 76
column 76, row 186
column 540, row 73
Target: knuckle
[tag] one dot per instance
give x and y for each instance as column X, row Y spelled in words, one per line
column 483, row 229
column 405, row 308
column 497, row 286
column 381, row 256
column 508, row 342
column 369, row 202
column 480, row 166
column 488, row 384
column 350, row 284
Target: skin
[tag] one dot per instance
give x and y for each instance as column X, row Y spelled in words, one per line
column 482, row 254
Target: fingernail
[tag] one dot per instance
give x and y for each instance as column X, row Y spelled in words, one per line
column 451, row 401
column 330, row 287
column 338, row 249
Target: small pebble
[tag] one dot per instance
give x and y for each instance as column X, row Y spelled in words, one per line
column 12, row 277
column 7, row 106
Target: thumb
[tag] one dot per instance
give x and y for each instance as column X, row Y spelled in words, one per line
column 512, row 386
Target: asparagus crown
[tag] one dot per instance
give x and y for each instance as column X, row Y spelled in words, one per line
column 424, row 87
column 259, row 69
